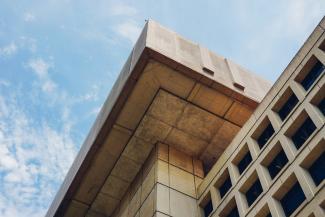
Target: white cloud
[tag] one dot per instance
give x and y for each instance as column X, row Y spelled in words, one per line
column 34, row 159
column 122, row 9
column 29, row 17
column 28, row 43
column 129, row 30
column 8, row 50
column 40, row 67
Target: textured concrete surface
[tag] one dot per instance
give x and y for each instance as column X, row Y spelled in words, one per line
column 171, row 91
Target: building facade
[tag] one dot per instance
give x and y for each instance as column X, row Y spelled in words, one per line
column 187, row 133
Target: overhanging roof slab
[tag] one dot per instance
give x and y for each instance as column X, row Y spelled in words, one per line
column 167, row 85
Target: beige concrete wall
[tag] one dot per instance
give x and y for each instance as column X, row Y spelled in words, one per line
column 165, row 186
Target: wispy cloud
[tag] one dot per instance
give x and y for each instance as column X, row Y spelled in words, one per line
column 32, row 162
column 129, row 29
column 40, row 67
column 122, row 9
column 8, row 50
column 29, row 17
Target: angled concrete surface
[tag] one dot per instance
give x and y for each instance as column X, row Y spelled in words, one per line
column 170, row 91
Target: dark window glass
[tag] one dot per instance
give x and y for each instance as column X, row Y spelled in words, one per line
column 277, row 164
column 288, row 106
column 253, row 192
column 317, row 169
column 233, row 213
column 313, row 74
column 303, row 132
column 292, row 200
column 265, row 136
column 321, row 106
column 208, row 208
column 245, row 161
column 224, row 188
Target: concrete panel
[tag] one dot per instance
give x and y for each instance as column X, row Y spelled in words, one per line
column 180, row 159
column 104, row 204
column 238, row 113
column 211, row 100
column 182, row 205
column 115, row 187
column 137, row 150
column 199, row 123
column 126, row 169
column 167, row 108
column 162, row 203
column 152, row 130
column 76, row 209
column 162, row 172
column 184, row 142
column 182, row 181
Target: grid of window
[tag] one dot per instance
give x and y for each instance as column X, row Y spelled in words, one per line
column 312, row 75
column 244, row 162
column 265, row 136
column 299, row 130
column 292, row 199
column 317, row 169
column 277, row 164
column 288, row 106
column 303, row 132
column 224, row 187
column 253, row 192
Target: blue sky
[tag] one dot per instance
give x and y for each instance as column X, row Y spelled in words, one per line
column 59, row 60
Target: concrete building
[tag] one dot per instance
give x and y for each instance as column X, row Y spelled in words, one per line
column 187, row 133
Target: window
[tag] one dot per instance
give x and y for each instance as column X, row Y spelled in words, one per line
column 244, row 162
column 253, row 192
column 265, row 135
column 292, row 199
column 312, row 75
column 288, row 106
column 224, row 187
column 208, row 208
column 276, row 165
column 321, row 106
column 303, row 132
column 234, row 212
column 317, row 169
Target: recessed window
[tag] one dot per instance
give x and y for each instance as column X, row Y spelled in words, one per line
column 314, row 72
column 253, row 192
column 266, row 135
column 321, row 106
column 234, row 212
column 208, row 208
column 319, row 99
column 244, row 162
column 303, row 132
column 278, row 162
column 224, row 187
column 292, row 199
column 230, row 210
column 317, row 169
column 288, row 106
column 264, row 212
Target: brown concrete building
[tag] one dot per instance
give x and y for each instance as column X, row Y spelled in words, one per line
column 187, row 133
